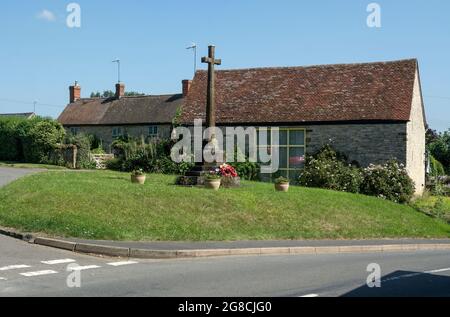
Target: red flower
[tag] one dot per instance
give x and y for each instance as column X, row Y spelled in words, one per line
column 228, row 171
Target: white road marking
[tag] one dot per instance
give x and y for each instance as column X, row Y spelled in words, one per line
column 38, row 273
column 3, row 279
column 437, row 271
column 62, row 261
column 310, row 296
column 14, row 267
column 122, row 263
column 82, row 268
column 415, row 274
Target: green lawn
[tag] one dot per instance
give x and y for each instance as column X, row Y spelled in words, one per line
column 105, row 205
column 29, row 165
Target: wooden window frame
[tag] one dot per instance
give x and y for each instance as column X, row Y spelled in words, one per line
column 288, row 146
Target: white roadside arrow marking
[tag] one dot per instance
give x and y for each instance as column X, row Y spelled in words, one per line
column 38, row 273
column 14, row 267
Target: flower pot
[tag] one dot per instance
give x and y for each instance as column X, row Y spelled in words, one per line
column 231, row 182
column 282, row 187
column 212, row 183
column 138, row 179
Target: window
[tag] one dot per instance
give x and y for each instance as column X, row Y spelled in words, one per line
column 153, row 131
column 292, row 150
column 74, row 131
column 117, row 132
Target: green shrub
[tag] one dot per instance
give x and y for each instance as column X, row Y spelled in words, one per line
column 115, row 164
column 98, row 151
column 437, row 169
column 153, row 157
column 10, row 143
column 83, row 144
column 40, row 139
column 245, row 169
column 389, row 181
column 329, row 170
column 439, row 147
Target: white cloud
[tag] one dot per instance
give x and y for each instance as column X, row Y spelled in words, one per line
column 46, row 15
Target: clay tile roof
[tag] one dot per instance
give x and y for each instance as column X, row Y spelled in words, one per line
column 126, row 110
column 329, row 93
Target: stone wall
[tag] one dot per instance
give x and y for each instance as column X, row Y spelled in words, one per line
column 364, row 143
column 416, row 140
column 105, row 132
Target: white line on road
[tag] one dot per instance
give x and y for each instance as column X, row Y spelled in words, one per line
column 437, row 271
column 62, row 261
column 310, row 296
column 38, row 273
column 82, row 268
column 415, row 274
column 3, row 279
column 122, row 263
column 14, row 267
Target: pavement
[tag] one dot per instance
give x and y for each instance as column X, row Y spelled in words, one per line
column 33, row 270
column 8, row 175
column 171, row 246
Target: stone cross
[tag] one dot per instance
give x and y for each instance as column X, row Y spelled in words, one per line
column 211, row 91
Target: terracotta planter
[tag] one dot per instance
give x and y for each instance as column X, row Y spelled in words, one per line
column 212, row 184
column 283, row 187
column 138, row 179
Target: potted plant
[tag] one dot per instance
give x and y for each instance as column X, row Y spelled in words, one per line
column 138, row 176
column 282, row 184
column 213, row 180
column 230, row 178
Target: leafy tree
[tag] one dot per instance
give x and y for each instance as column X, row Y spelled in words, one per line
column 133, row 94
column 440, row 149
column 431, row 136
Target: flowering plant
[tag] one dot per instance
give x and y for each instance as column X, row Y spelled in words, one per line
column 138, row 172
column 227, row 171
column 213, row 175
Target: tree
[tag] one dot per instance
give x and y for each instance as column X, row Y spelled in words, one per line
column 440, row 149
column 431, row 136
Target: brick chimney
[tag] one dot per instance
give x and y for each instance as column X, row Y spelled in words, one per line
column 186, row 87
column 75, row 92
column 120, row 90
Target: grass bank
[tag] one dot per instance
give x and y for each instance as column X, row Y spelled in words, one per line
column 105, row 205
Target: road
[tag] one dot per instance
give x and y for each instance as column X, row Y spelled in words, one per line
column 25, row 270
column 7, row 175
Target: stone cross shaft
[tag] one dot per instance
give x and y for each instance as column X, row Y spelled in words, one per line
column 211, row 91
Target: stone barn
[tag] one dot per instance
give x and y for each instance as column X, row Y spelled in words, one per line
column 372, row 112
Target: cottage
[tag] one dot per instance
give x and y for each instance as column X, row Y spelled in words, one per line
column 372, row 112
column 111, row 118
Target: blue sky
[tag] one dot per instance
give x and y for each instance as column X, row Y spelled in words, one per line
column 40, row 56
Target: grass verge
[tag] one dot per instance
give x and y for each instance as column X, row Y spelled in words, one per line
column 105, row 205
